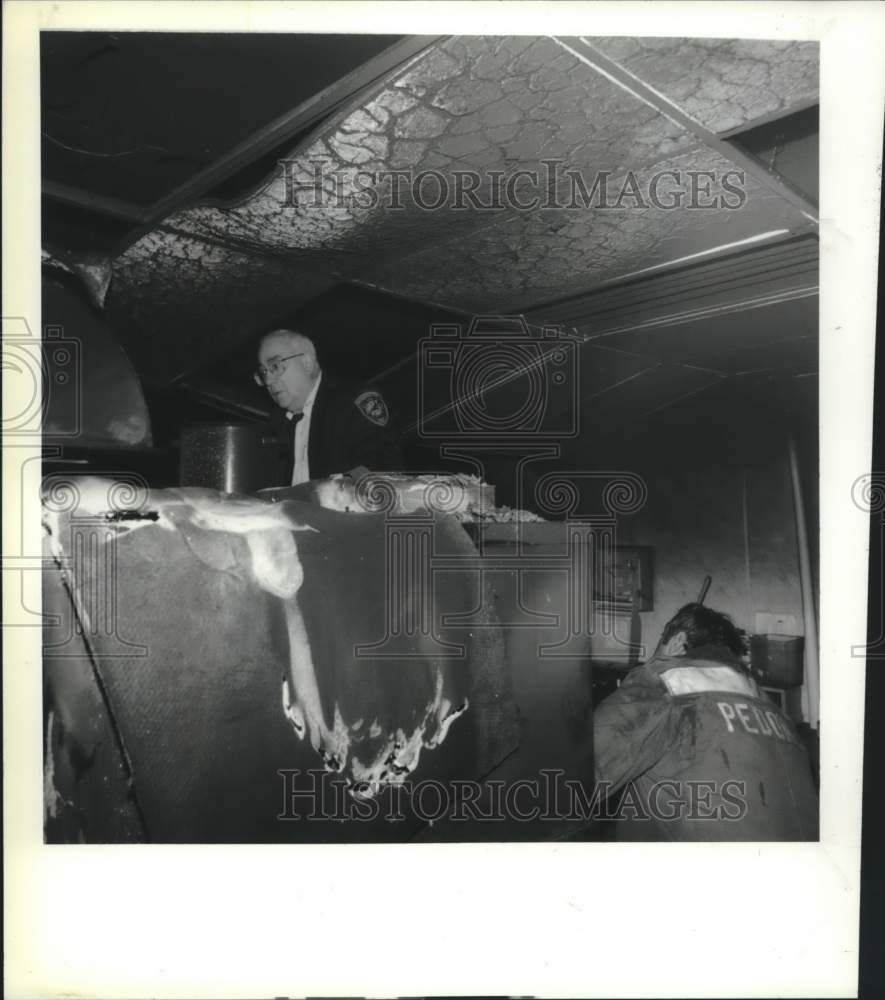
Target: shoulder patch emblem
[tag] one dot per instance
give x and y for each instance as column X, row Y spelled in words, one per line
column 372, row 406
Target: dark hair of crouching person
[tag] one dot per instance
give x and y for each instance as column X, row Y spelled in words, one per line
column 702, row 626
column 689, row 748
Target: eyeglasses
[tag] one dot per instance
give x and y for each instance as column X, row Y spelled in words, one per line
column 274, row 368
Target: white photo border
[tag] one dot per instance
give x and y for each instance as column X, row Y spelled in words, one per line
column 543, row 920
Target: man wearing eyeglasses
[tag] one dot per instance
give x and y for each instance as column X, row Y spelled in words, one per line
column 333, row 427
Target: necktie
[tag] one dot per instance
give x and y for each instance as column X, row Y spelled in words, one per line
column 294, row 448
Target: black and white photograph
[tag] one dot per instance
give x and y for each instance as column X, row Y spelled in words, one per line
column 535, row 553
column 426, row 432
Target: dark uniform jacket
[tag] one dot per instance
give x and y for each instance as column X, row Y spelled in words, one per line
column 704, row 755
column 349, row 427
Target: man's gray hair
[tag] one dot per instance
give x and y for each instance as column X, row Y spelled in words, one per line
column 300, row 341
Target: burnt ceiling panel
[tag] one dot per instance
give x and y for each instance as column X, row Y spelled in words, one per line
column 530, row 257
column 183, row 303
column 445, row 113
column 722, row 83
column 413, row 185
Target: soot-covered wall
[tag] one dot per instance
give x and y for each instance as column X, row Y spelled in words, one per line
column 720, row 499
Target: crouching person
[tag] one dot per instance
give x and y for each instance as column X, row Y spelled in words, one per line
column 695, row 750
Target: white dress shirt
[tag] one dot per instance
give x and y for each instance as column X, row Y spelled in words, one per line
column 301, row 469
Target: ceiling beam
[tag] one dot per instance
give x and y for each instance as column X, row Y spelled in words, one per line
column 705, row 312
column 770, row 119
column 266, row 139
column 292, row 123
column 113, row 207
column 581, row 49
column 753, row 271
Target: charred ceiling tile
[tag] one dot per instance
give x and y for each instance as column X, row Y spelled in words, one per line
column 178, row 304
column 536, row 56
column 462, row 145
column 407, row 153
column 390, row 102
column 438, row 115
column 560, row 251
column 474, row 108
column 439, row 64
column 354, row 147
column 420, row 123
column 464, row 94
column 723, row 84
column 490, row 65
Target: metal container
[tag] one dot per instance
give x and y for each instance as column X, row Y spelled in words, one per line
column 778, row 659
column 230, row 457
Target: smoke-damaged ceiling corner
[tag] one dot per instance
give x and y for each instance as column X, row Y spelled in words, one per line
column 468, row 175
